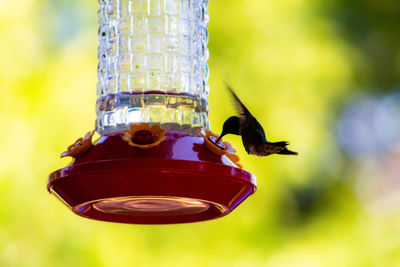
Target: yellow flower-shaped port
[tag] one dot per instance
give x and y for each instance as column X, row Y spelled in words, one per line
column 79, row 147
column 141, row 135
column 222, row 149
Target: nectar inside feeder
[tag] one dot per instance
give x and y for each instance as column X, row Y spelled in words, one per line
column 155, row 162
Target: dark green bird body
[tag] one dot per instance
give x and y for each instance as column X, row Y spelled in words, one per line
column 253, row 135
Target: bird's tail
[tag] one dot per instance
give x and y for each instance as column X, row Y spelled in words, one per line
column 270, row 148
column 281, row 143
column 286, row 151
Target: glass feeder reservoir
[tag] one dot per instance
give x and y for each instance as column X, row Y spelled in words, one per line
column 156, row 162
column 152, row 64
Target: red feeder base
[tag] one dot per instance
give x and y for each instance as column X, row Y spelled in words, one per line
column 177, row 181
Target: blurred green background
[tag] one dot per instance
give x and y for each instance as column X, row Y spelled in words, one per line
column 322, row 74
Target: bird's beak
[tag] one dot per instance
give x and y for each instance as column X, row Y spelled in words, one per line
column 219, row 138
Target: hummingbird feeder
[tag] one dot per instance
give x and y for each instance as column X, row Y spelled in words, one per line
column 156, row 162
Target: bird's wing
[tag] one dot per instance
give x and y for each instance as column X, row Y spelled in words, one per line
column 247, row 118
column 243, row 111
column 259, row 131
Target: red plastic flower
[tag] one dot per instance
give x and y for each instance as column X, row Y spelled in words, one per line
column 79, row 147
column 143, row 136
column 222, row 149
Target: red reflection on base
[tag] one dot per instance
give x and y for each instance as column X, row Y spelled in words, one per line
column 149, row 206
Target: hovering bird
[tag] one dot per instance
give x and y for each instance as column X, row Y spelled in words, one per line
column 253, row 135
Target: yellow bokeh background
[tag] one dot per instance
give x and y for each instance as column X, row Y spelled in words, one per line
column 291, row 66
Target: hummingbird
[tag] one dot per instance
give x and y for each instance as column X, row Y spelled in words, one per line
column 253, row 135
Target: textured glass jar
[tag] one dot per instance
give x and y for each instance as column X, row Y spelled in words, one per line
column 152, row 64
